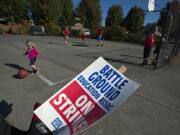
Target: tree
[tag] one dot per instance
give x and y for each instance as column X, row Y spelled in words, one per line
column 134, row 20
column 67, row 13
column 115, row 16
column 46, row 10
column 89, row 12
column 81, row 11
column 47, row 13
column 13, row 10
column 114, row 19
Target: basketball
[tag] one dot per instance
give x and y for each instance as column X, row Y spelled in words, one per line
column 22, row 73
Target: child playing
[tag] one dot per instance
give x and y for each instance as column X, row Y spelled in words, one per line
column 99, row 36
column 32, row 53
column 84, row 36
column 66, row 35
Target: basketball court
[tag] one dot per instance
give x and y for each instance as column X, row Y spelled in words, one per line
column 157, row 100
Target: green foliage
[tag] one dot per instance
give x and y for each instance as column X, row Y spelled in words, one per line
column 47, row 10
column 53, row 28
column 81, row 11
column 13, row 10
column 115, row 16
column 53, row 12
column 89, row 12
column 67, row 13
column 75, row 33
column 137, row 37
column 134, row 20
column 115, row 33
column 114, row 29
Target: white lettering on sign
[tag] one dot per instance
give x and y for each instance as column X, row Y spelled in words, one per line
column 74, row 112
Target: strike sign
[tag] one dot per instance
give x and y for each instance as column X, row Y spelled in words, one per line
column 90, row 96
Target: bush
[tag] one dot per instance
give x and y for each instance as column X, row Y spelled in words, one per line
column 4, row 28
column 16, row 28
column 137, row 38
column 53, row 28
column 75, row 33
column 115, row 33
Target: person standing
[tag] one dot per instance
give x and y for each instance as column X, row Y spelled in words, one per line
column 66, row 34
column 85, row 34
column 148, row 45
column 99, row 35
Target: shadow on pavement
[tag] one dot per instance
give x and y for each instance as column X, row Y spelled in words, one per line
column 8, row 129
column 80, row 45
column 58, row 43
column 125, row 55
column 5, row 108
column 122, row 61
column 127, row 59
column 5, row 127
column 36, row 126
column 17, row 67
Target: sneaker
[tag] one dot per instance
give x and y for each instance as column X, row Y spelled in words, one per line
column 37, row 71
column 146, row 66
column 32, row 73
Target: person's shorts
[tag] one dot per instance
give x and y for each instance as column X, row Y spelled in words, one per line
column 66, row 37
column 32, row 62
column 99, row 38
column 147, row 51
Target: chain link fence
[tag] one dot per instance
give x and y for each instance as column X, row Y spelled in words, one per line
column 171, row 38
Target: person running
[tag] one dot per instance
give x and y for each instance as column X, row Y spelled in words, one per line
column 99, row 35
column 84, row 36
column 148, row 45
column 32, row 53
column 66, row 34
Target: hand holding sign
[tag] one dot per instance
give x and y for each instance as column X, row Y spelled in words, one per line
column 122, row 69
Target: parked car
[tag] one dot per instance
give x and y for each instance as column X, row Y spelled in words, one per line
column 3, row 21
column 37, row 30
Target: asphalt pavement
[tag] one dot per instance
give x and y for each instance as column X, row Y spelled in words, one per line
column 153, row 110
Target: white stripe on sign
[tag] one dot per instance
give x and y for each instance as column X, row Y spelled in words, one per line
column 50, row 83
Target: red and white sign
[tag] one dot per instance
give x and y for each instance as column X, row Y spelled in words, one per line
column 90, row 96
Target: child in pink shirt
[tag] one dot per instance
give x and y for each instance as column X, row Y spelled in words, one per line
column 32, row 53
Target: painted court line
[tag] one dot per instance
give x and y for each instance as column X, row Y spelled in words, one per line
column 43, row 78
column 62, row 81
column 50, row 83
